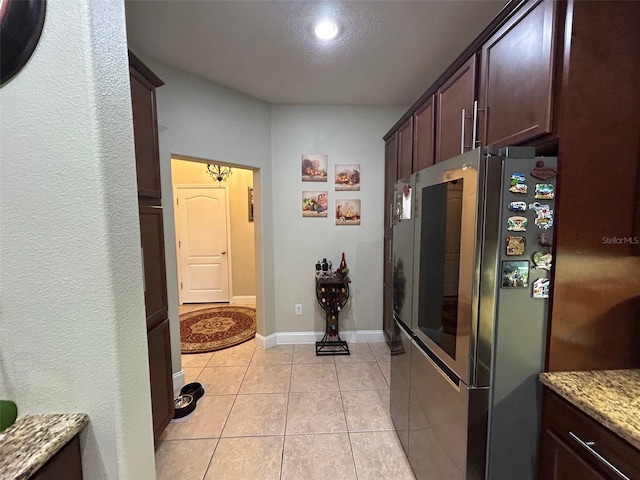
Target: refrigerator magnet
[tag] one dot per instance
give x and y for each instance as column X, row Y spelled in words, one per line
column 544, row 191
column 515, row 245
column 543, row 240
column 541, row 288
column 518, row 206
column 518, row 184
column 542, row 172
column 515, row 273
column 517, row 224
column 542, row 261
column 544, row 215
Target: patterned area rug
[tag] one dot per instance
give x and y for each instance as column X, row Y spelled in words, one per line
column 216, row 328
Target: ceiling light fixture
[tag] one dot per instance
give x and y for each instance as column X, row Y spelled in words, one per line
column 326, row 30
column 218, row 172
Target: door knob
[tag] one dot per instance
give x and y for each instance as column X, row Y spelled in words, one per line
column 224, row 252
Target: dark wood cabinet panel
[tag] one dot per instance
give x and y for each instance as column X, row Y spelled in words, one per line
column 423, row 136
column 143, row 85
column 455, row 101
column 161, row 383
column 595, row 304
column 145, row 127
column 390, row 173
column 155, row 280
column 65, row 464
column 563, row 457
column 517, row 74
column 405, row 149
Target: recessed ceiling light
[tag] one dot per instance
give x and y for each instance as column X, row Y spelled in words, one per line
column 326, row 30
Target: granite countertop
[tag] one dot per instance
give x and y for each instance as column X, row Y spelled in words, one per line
column 33, row 439
column 611, row 397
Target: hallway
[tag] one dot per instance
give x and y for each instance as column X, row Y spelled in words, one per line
column 284, row 413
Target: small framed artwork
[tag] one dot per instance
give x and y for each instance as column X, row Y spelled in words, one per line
column 347, row 178
column 314, row 168
column 515, row 274
column 250, row 202
column 314, row 204
column 348, row 212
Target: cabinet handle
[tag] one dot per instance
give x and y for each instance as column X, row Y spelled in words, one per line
column 464, row 117
column 475, row 140
column 588, row 446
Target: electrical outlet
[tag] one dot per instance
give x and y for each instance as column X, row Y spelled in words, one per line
column 298, row 309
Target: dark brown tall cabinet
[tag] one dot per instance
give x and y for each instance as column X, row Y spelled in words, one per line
column 145, row 129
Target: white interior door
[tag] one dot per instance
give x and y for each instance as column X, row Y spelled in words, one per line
column 202, row 244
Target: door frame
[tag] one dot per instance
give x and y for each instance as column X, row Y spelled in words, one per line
column 176, row 219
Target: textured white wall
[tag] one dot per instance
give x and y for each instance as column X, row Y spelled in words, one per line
column 347, row 135
column 199, row 119
column 72, row 320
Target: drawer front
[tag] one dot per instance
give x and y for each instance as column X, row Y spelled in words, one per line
column 594, row 443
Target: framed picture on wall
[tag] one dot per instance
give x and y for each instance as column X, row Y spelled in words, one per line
column 314, row 204
column 314, row 168
column 250, row 202
column 348, row 211
column 347, row 177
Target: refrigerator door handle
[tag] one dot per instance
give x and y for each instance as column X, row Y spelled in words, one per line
column 448, row 377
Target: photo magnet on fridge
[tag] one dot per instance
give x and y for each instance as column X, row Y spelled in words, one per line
column 515, row 274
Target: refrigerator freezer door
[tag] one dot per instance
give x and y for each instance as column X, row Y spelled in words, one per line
column 399, row 396
column 447, row 432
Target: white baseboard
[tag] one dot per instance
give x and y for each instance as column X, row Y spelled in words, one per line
column 178, row 380
column 244, row 299
column 287, row 338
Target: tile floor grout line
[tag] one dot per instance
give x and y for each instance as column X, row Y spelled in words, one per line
column 286, row 413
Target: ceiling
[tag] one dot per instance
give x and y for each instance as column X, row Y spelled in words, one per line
column 387, row 52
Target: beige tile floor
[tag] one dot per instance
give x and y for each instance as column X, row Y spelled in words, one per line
column 286, row 414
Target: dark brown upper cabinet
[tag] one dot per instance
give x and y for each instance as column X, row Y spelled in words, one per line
column 423, row 135
column 517, row 74
column 454, row 125
column 390, row 175
column 145, row 127
column 405, row 149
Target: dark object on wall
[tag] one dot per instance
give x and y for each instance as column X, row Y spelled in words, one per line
column 21, row 23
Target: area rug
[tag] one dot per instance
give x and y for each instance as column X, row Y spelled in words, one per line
column 216, row 328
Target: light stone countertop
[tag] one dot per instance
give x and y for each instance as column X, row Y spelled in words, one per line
column 611, row 397
column 33, row 439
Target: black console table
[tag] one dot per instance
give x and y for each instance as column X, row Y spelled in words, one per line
column 332, row 293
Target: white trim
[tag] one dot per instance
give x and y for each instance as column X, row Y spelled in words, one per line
column 286, row 338
column 266, row 342
column 178, row 380
column 244, row 299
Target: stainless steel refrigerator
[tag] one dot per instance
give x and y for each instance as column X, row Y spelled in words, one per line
column 472, row 252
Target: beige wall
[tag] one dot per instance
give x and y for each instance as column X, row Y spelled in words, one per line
column 242, row 248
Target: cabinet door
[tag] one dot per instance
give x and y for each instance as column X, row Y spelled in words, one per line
column 390, row 173
column 145, row 131
column 559, row 462
column 575, row 446
column 455, row 112
column 405, row 149
column 65, row 464
column 155, row 280
column 161, row 379
column 423, row 134
column 517, row 74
